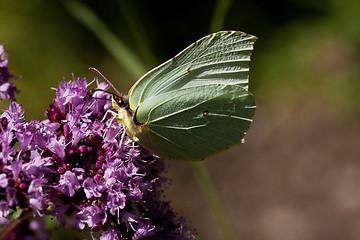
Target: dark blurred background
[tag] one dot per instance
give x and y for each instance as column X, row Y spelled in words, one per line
column 298, row 175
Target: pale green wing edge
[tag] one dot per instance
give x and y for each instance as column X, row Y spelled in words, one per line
column 221, row 57
column 192, row 124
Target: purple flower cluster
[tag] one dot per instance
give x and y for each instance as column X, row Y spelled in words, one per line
column 65, row 167
column 7, row 89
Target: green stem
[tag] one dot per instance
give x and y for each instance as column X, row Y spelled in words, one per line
column 217, row 21
column 14, row 223
column 214, row 200
column 138, row 31
column 112, row 43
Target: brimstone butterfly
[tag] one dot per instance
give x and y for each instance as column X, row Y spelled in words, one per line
column 195, row 104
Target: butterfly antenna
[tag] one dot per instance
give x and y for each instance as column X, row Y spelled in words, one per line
column 81, row 111
column 100, row 74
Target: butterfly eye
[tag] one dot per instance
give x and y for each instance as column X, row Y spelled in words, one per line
column 117, row 99
column 122, row 101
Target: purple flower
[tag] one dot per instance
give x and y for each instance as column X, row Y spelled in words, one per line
column 71, row 94
column 7, row 89
column 3, row 180
column 144, row 229
column 91, row 216
column 58, row 146
column 16, row 168
column 37, row 206
column 11, row 196
column 116, row 199
column 91, row 189
column 37, row 188
column 65, row 167
column 134, row 185
column 69, row 183
column 131, row 219
column 37, row 165
column 112, row 233
column 4, row 208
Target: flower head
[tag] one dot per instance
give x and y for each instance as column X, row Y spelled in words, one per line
column 7, row 89
column 63, row 166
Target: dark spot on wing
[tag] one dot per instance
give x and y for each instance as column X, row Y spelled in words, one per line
column 188, row 70
column 205, row 113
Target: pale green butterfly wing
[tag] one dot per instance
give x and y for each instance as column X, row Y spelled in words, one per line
column 219, row 58
column 193, row 123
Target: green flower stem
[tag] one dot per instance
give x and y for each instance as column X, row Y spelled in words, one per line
column 24, row 215
column 112, row 43
column 214, row 200
column 217, row 21
column 201, row 172
column 138, row 31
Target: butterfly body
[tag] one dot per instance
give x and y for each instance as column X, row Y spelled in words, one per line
column 124, row 116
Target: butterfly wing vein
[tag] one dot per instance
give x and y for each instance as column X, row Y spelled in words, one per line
column 225, row 53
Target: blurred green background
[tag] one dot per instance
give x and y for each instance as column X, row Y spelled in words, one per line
column 298, row 175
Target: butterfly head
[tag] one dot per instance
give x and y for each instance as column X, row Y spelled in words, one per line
column 120, row 101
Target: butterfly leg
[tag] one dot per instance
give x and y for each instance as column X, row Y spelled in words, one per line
column 133, row 145
column 121, row 142
column 114, row 114
column 122, row 138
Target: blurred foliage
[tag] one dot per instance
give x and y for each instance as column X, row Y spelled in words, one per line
column 58, row 232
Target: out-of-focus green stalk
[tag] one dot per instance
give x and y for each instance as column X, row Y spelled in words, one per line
column 113, row 44
column 24, row 216
column 218, row 18
column 202, row 174
column 214, row 200
column 138, row 31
